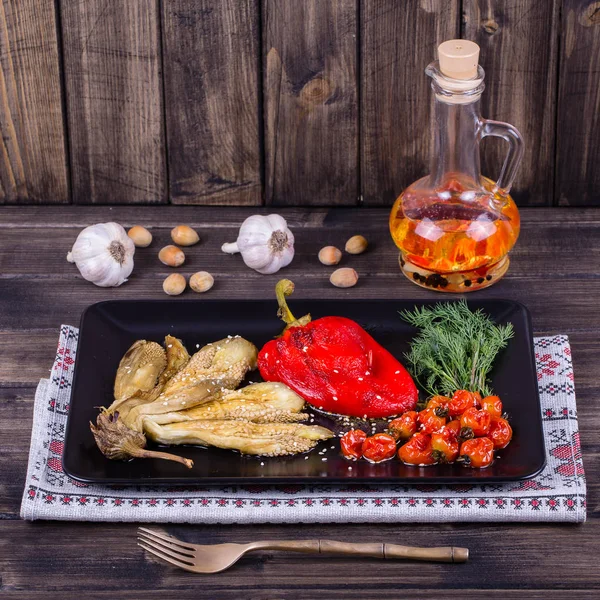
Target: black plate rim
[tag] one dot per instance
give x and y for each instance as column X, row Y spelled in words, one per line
column 275, row 480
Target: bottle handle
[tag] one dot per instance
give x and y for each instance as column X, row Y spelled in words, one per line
column 514, row 155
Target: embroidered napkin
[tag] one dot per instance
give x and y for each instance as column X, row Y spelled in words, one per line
column 557, row 494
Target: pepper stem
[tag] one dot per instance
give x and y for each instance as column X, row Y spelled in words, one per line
column 283, row 289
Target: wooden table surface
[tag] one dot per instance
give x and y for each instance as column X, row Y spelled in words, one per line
column 555, row 271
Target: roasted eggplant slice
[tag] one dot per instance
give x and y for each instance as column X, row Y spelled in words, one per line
column 268, row 402
column 264, row 439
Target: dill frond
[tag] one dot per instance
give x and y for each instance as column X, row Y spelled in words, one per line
column 455, row 349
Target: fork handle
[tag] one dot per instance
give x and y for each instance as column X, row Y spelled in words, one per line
column 449, row 554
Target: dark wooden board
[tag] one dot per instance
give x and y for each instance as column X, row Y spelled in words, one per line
column 75, row 560
column 211, row 57
column 310, row 102
column 578, row 132
column 398, row 40
column 114, row 100
column 519, row 53
column 33, row 157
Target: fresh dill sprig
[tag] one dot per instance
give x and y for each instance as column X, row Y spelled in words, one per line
column 455, row 349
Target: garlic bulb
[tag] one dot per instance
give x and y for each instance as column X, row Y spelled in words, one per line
column 266, row 243
column 103, row 254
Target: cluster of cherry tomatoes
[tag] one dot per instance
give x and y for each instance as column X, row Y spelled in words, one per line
column 465, row 428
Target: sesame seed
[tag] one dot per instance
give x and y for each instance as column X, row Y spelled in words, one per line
column 324, row 459
column 378, row 397
column 306, row 458
column 349, row 468
column 335, row 371
column 170, row 346
column 367, row 372
column 305, row 349
column 335, row 398
column 262, row 464
column 360, row 378
column 397, row 373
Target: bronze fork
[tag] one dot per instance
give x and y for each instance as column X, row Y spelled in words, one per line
column 215, row 558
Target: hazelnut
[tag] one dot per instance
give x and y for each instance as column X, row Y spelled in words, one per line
column 174, row 284
column 357, row 244
column 201, row 281
column 183, row 235
column 330, row 255
column 171, row 256
column 344, row 277
column 141, row 237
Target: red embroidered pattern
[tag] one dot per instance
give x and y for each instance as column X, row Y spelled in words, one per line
column 557, row 494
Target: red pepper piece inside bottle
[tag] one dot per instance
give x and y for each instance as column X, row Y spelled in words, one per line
column 336, row 366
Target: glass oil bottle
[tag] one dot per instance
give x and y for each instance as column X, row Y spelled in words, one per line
column 454, row 228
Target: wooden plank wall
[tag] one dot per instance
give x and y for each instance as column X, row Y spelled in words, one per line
column 282, row 102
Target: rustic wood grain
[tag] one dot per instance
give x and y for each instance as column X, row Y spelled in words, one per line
column 519, row 53
column 114, row 100
column 75, row 560
column 212, row 87
column 398, row 40
column 310, row 102
column 33, row 160
column 529, row 259
column 67, row 217
column 578, row 133
column 294, row 594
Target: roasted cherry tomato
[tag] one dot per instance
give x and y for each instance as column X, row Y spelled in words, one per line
column 378, row 447
column 352, row 442
column 417, row 451
column 478, row 453
column 403, row 427
column 445, row 445
column 493, row 405
column 454, row 425
column 461, row 400
column 436, row 401
column 500, row 432
column 478, row 421
column 431, row 420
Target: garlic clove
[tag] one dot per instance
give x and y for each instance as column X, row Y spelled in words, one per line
column 201, row 282
column 330, row 255
column 141, row 237
column 103, row 253
column 344, row 277
column 357, row 244
column 174, row 284
column 172, row 256
column 183, row 235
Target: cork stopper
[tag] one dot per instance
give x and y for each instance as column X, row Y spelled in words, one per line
column 459, row 59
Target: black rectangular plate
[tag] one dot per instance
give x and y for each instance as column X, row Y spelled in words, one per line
column 109, row 328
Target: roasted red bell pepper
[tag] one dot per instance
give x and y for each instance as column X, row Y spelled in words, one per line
column 336, row 366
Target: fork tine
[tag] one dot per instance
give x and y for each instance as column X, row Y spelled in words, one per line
column 166, row 538
column 181, row 565
column 160, row 545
